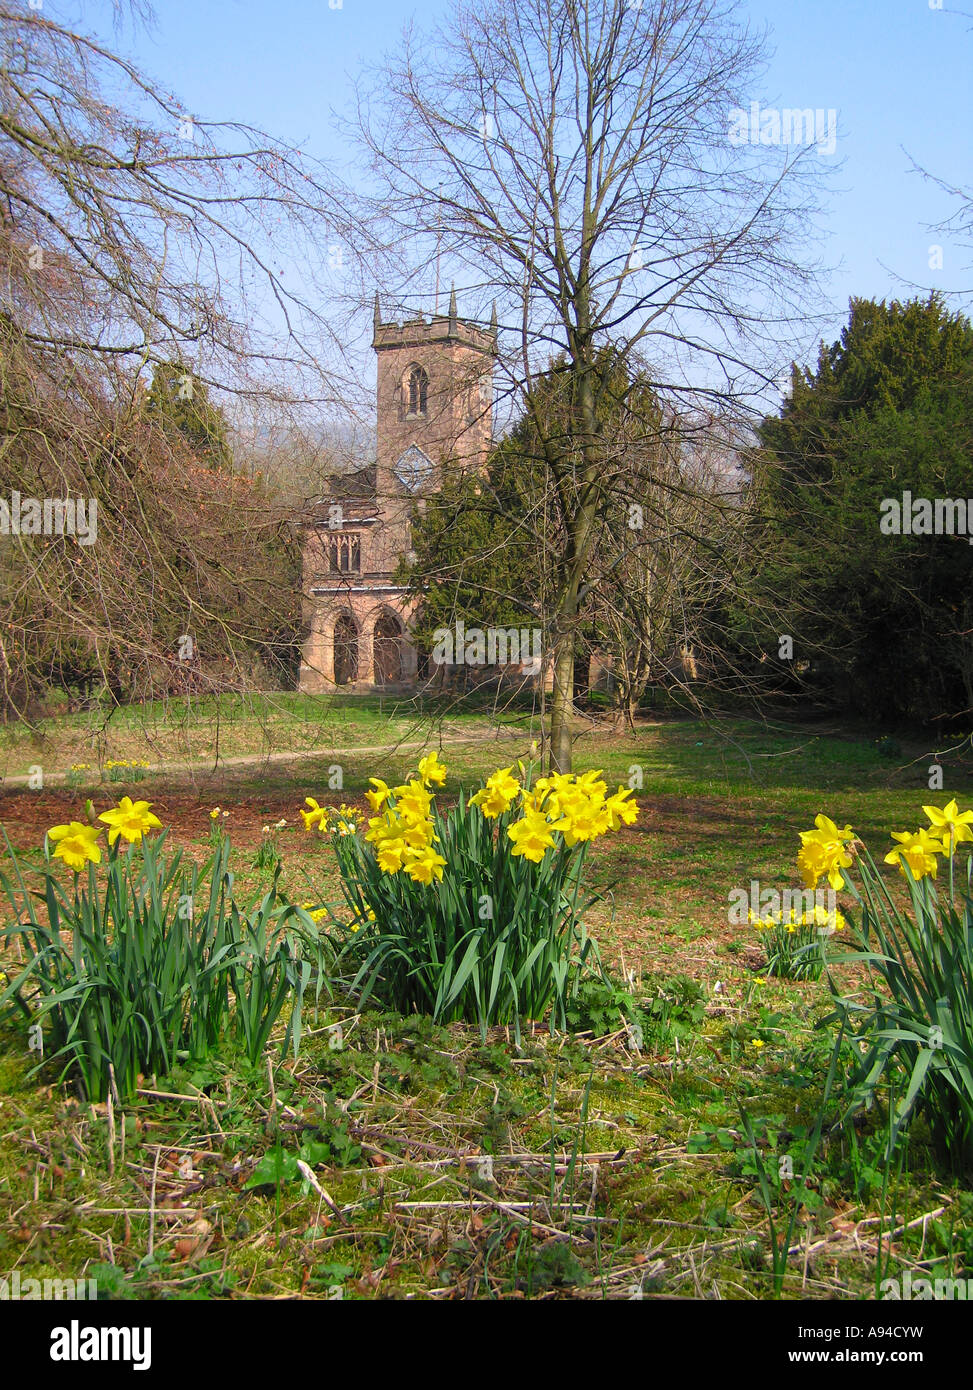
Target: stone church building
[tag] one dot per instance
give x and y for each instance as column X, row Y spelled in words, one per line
column 434, row 412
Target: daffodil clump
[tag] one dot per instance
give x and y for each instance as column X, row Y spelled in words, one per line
column 474, row 913
column 327, row 820
column 135, row 960
column 562, row 808
column 911, row 1022
column 794, row 941
column 125, row 769
column 268, row 853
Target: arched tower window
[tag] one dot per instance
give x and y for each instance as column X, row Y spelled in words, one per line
column 417, row 388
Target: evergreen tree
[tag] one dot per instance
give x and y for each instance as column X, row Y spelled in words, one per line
column 884, row 619
column 179, row 401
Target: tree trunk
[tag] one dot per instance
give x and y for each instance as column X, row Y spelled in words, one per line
column 562, row 703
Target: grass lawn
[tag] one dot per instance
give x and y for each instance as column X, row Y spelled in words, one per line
column 599, row 1164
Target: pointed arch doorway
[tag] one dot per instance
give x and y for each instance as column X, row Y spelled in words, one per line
column 345, row 650
column 387, row 647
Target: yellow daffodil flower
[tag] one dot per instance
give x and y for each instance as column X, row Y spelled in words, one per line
column 432, row 770
column 76, row 844
column 380, row 795
column 823, row 854
column 498, row 794
column 531, row 837
column 425, row 866
column 591, row 784
column 952, row 820
column 130, row 820
column 390, row 856
column 620, row 811
column 316, row 817
column 412, row 800
column 918, row 850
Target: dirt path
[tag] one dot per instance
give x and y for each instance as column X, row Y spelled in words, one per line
column 287, row 756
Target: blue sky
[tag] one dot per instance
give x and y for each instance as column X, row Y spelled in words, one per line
column 897, row 72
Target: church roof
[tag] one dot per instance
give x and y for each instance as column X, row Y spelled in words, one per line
column 359, row 484
column 357, row 493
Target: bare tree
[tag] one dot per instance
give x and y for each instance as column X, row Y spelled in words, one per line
column 162, row 232
column 572, row 160
column 664, row 562
column 133, row 235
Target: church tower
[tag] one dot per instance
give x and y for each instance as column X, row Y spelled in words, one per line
column 434, row 399
column 434, row 413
